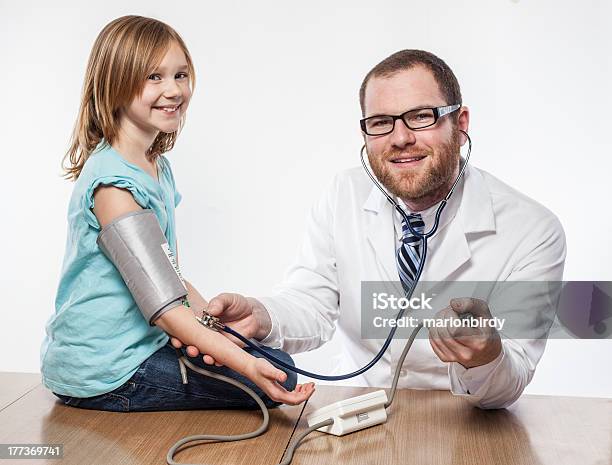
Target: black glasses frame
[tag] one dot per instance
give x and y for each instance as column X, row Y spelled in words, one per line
column 437, row 111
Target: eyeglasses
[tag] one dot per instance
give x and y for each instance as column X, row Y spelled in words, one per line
column 419, row 118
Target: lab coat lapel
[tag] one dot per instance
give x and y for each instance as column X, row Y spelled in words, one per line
column 447, row 251
column 450, row 248
column 380, row 234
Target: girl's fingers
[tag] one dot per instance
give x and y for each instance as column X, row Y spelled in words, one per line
column 272, row 377
column 280, row 394
column 307, row 388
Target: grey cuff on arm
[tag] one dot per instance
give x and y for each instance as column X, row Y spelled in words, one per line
column 164, row 309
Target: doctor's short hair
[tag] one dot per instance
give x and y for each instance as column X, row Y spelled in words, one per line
column 408, row 59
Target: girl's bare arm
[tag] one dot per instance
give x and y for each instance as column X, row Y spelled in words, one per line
column 110, row 203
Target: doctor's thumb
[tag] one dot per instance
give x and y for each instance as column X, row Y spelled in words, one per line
column 471, row 305
column 217, row 305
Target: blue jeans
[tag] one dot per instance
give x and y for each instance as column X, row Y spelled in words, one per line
column 157, row 385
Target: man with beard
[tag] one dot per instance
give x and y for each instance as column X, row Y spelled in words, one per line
column 412, row 126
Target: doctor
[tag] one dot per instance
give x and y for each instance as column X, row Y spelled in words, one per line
column 488, row 231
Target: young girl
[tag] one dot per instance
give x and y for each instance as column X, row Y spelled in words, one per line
column 100, row 352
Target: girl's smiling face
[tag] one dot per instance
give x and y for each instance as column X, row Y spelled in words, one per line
column 164, row 98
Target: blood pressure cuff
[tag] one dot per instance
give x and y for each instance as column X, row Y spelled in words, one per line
column 137, row 247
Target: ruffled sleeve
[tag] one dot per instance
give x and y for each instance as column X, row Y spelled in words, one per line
column 123, row 182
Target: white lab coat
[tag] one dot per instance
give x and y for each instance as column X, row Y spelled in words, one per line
column 488, row 231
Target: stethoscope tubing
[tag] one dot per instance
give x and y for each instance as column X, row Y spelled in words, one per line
column 423, row 238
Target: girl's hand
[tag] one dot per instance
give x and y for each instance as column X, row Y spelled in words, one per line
column 268, row 377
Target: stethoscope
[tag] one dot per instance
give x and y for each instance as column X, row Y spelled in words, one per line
column 423, row 236
column 216, row 324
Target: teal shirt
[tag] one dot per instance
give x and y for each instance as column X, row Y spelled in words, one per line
column 97, row 337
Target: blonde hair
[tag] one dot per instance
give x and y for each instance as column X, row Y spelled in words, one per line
column 125, row 52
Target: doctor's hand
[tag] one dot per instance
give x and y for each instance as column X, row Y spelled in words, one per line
column 246, row 315
column 471, row 347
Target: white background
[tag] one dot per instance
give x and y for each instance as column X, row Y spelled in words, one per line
column 251, row 159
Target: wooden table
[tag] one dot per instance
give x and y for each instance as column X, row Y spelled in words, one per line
column 424, row 427
column 435, row 427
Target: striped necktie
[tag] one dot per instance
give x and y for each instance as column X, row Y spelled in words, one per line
column 408, row 254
